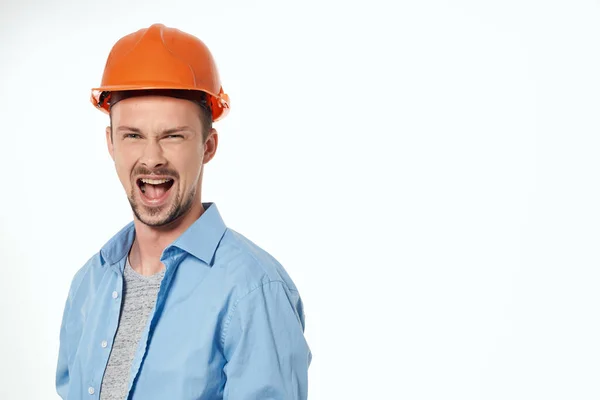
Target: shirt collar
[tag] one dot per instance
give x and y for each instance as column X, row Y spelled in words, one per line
column 201, row 239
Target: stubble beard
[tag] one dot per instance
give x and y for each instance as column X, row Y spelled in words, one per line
column 178, row 207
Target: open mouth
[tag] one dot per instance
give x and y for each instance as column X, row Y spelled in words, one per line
column 154, row 190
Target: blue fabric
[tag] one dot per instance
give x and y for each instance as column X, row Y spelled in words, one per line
column 228, row 322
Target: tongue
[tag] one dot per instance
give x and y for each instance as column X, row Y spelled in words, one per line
column 155, row 191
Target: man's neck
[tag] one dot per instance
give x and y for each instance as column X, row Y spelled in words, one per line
column 150, row 242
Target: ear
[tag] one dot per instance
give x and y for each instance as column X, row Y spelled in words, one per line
column 210, row 146
column 109, row 143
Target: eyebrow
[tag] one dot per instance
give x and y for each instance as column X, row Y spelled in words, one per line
column 124, row 128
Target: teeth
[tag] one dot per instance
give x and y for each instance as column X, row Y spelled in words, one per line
column 155, row 181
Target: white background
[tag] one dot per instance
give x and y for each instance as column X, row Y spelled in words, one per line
column 426, row 171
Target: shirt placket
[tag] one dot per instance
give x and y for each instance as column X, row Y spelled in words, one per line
column 171, row 261
column 113, row 304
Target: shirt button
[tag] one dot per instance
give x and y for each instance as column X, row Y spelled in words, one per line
column 115, row 295
column 104, row 344
column 91, row 390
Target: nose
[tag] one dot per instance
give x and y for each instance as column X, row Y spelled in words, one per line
column 153, row 156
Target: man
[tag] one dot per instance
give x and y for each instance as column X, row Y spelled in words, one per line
column 176, row 305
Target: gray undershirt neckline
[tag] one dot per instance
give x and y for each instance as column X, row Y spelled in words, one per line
column 138, row 300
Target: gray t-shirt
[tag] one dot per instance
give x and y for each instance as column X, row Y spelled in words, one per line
column 139, row 297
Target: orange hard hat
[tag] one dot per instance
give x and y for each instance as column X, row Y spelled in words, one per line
column 159, row 57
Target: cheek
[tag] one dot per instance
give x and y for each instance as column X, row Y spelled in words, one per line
column 123, row 168
column 188, row 165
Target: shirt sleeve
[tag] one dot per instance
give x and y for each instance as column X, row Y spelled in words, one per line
column 267, row 354
column 62, row 369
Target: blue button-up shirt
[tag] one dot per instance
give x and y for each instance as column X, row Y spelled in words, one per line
column 228, row 322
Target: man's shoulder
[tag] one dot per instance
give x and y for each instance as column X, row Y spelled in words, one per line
column 248, row 264
column 86, row 272
column 113, row 250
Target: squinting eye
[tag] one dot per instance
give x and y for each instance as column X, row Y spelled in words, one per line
column 132, row 136
column 175, row 136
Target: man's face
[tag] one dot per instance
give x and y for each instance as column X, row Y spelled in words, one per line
column 159, row 153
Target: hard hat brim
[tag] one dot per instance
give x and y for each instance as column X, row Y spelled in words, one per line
column 219, row 103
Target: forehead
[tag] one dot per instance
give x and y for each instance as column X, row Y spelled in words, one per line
column 155, row 112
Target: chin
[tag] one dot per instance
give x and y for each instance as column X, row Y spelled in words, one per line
column 165, row 214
